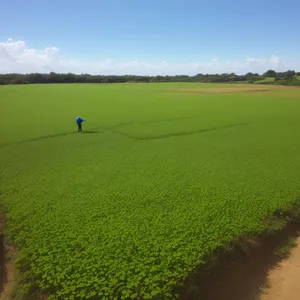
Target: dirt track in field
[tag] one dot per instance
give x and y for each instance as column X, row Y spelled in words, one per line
column 255, row 274
column 9, row 277
column 284, row 280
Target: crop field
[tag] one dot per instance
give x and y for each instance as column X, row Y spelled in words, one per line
column 265, row 80
column 162, row 175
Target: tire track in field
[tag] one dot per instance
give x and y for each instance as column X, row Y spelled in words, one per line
column 97, row 129
column 112, row 129
column 94, row 130
column 51, row 136
column 176, row 134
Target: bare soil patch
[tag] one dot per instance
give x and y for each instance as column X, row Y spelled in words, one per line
column 220, row 90
column 284, row 280
column 243, row 89
column 288, row 96
column 244, row 274
column 8, row 274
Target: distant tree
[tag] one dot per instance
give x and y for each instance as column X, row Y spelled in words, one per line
column 19, row 80
column 270, row 73
column 287, row 77
column 289, row 74
column 249, row 75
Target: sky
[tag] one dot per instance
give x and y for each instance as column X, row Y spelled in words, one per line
column 157, row 37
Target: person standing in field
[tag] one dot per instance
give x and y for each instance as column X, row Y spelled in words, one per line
column 79, row 121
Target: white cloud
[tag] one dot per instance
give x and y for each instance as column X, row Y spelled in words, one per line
column 273, row 62
column 16, row 56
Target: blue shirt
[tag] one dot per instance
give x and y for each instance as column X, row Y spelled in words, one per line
column 79, row 120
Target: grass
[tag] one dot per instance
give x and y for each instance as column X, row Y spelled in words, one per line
column 158, row 181
column 284, row 251
column 265, row 80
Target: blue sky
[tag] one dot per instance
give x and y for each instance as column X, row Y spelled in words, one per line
column 150, row 36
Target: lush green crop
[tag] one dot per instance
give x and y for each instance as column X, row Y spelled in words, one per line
column 159, row 179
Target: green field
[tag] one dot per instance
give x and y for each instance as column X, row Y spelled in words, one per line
column 159, row 179
column 265, row 80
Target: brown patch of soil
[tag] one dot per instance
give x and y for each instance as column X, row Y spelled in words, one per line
column 223, row 89
column 220, row 90
column 284, row 280
column 288, row 95
column 231, row 92
column 241, row 274
column 8, row 274
column 244, row 89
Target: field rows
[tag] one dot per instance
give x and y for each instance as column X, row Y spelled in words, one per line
column 128, row 209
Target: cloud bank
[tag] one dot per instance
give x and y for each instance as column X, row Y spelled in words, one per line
column 17, row 57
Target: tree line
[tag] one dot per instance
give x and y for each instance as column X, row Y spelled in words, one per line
column 287, row 78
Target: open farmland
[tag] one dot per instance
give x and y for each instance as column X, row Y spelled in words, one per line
column 265, row 80
column 162, row 175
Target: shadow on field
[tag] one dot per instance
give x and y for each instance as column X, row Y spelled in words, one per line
column 90, row 131
column 241, row 274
